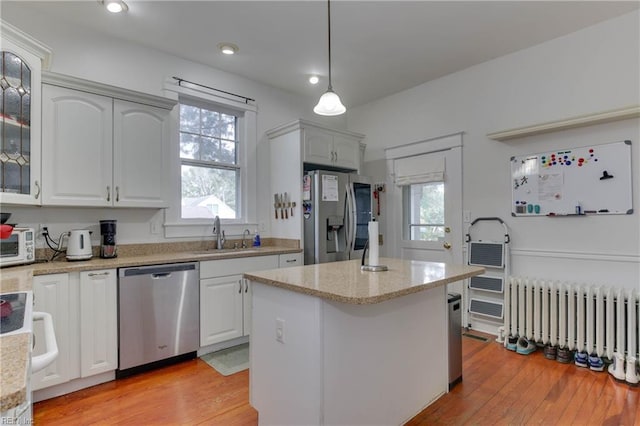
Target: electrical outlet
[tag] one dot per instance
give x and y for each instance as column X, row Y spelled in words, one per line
column 280, row 330
column 42, row 228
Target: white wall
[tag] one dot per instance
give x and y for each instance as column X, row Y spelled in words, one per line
column 589, row 71
column 86, row 54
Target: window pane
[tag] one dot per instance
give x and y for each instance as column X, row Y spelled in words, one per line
column 209, row 149
column 211, row 124
column 189, row 119
column 426, row 211
column 228, row 153
column 189, row 146
column 207, row 192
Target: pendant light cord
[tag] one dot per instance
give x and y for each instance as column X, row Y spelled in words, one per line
column 329, row 32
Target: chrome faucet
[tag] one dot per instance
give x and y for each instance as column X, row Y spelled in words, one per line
column 220, row 238
column 244, row 242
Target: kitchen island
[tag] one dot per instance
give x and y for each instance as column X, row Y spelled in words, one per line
column 332, row 344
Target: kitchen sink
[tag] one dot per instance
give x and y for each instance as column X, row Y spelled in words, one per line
column 226, row 251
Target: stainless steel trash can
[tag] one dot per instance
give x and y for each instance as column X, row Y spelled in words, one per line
column 455, row 339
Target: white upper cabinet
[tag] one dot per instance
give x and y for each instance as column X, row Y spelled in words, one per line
column 77, row 148
column 331, row 148
column 100, row 150
column 21, row 61
column 140, row 154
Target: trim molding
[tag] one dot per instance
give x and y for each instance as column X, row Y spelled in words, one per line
column 556, row 254
column 567, row 123
column 96, row 88
column 28, row 43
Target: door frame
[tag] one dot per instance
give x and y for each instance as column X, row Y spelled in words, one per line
column 452, row 142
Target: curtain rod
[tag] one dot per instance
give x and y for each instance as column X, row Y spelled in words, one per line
column 246, row 99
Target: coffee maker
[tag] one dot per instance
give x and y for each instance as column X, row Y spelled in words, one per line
column 108, row 240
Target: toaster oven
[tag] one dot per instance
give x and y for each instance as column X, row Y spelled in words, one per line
column 19, row 248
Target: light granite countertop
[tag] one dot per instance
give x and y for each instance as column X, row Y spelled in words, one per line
column 14, row 349
column 345, row 282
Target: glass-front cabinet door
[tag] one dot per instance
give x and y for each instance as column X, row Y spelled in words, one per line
column 19, row 125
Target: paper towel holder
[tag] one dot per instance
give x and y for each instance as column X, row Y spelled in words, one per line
column 370, row 268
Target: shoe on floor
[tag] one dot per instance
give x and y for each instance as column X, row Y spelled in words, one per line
column 617, row 368
column 511, row 343
column 550, row 352
column 595, row 363
column 565, row 355
column 632, row 377
column 525, row 346
column 582, row 359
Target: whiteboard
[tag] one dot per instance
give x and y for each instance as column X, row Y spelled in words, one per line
column 578, row 181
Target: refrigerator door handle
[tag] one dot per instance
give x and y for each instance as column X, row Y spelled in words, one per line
column 351, row 201
column 348, row 213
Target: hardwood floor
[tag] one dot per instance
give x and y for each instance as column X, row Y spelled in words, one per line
column 499, row 387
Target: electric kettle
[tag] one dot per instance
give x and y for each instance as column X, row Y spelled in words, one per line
column 79, row 245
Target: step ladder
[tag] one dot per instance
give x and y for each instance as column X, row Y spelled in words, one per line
column 485, row 293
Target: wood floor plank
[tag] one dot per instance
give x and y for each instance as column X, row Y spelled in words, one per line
column 499, row 387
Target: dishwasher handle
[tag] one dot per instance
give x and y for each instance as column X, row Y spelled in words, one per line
column 160, row 275
column 158, row 270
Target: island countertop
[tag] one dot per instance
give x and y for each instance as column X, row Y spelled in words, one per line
column 345, row 282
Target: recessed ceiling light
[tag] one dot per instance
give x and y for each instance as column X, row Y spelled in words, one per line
column 115, row 6
column 314, row 79
column 228, row 48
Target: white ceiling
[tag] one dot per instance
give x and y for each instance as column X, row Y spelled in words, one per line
column 378, row 47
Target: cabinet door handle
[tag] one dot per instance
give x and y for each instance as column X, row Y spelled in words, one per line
column 291, row 260
column 246, row 286
column 99, row 274
column 108, row 193
column 38, row 189
column 117, row 194
column 239, row 286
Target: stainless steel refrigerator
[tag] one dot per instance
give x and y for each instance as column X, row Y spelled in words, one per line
column 337, row 208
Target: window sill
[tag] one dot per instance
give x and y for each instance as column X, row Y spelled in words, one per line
column 204, row 229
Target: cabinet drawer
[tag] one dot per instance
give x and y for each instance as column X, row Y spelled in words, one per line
column 221, row 268
column 290, row 259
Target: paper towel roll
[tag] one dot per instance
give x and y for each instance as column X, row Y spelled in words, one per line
column 373, row 244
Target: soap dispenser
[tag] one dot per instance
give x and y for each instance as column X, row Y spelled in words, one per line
column 256, row 239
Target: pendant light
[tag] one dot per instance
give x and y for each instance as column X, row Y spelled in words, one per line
column 329, row 103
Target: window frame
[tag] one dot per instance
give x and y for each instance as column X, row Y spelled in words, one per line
column 407, row 209
column 209, row 106
column 174, row 225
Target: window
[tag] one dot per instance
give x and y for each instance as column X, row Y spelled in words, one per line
column 210, row 163
column 424, row 211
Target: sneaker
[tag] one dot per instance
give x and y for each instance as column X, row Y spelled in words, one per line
column 512, row 343
column 550, row 352
column 525, row 346
column 565, row 355
column 631, row 376
column 596, row 363
column 616, row 369
column 582, row 359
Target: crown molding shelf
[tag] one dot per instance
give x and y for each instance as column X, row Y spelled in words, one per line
column 569, row 123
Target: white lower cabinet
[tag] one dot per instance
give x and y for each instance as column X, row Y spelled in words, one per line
column 221, row 309
column 51, row 294
column 84, row 310
column 98, row 322
column 225, row 297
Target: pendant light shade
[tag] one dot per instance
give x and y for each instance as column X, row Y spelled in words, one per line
column 329, row 103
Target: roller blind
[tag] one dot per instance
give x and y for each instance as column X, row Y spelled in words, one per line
column 419, row 169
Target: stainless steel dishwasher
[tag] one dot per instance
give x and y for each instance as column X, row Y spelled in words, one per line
column 158, row 315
